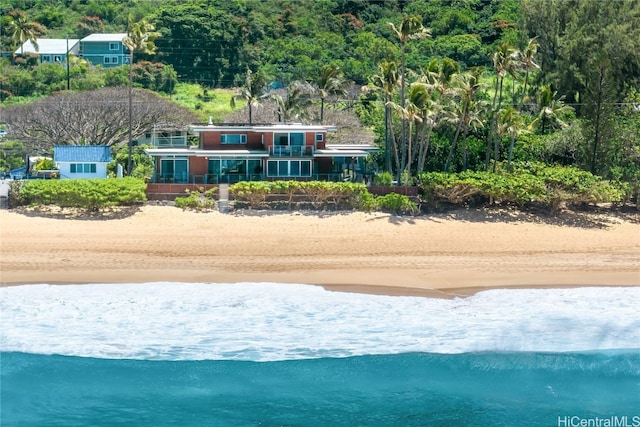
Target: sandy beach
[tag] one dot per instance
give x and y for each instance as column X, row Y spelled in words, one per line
column 448, row 254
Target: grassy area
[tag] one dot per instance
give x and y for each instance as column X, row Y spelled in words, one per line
column 206, row 102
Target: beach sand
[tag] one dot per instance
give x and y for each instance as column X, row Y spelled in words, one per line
column 456, row 253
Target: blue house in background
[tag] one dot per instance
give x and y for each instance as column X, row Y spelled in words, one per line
column 107, row 50
column 82, row 161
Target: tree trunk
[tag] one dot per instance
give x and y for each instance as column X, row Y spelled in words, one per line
column 130, row 153
column 496, row 146
column 423, row 156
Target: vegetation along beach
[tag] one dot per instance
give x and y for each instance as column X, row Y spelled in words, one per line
column 320, row 212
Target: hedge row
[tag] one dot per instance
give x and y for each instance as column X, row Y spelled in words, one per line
column 530, row 183
column 298, row 194
column 90, row 194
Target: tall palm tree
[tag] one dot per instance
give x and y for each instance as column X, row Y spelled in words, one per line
column 413, row 112
column 331, row 81
column 296, row 103
column 467, row 85
column 23, row 29
column 140, row 37
column 410, row 28
column 386, row 83
column 252, row 91
column 438, row 76
column 503, row 63
column 510, row 123
column 525, row 61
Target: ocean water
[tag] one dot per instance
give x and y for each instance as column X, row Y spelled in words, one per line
column 263, row 354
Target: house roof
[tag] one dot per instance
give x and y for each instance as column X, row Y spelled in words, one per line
column 48, row 46
column 100, row 37
column 82, row 153
column 206, row 153
column 276, row 127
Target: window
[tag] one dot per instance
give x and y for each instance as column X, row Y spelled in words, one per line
column 294, row 168
column 110, row 59
column 293, row 138
column 83, row 168
column 45, row 58
column 57, row 58
column 233, row 138
column 114, row 46
column 174, row 170
column 319, row 137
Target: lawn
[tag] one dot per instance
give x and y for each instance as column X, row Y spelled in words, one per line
column 205, row 101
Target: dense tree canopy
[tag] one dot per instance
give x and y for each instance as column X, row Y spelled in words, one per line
column 97, row 117
column 497, row 81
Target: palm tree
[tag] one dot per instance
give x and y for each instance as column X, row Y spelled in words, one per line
column 386, row 83
column 551, row 110
column 252, row 91
column 410, row 28
column 525, row 60
column 418, row 99
column 438, row 76
column 140, row 37
column 510, row 124
column 330, row 82
column 503, row 63
column 22, row 29
column 297, row 102
column 467, row 86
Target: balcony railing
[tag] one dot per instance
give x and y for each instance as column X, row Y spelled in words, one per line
column 169, row 141
column 182, row 178
column 291, row 151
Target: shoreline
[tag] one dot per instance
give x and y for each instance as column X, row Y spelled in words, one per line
column 441, row 255
column 446, row 292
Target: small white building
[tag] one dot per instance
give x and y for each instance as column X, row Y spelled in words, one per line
column 51, row 50
column 82, row 161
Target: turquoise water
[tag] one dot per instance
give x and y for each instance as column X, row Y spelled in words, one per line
column 479, row 389
column 266, row 354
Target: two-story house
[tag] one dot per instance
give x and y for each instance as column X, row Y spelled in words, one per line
column 228, row 153
column 50, row 50
column 107, row 50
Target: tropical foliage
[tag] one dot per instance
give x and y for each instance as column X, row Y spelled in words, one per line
column 89, row 194
column 450, row 86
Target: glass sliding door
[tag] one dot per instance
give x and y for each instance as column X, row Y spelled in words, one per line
column 234, row 170
column 174, row 170
column 289, row 168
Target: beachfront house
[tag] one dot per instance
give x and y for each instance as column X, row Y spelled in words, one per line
column 82, row 161
column 107, row 50
column 228, row 153
column 50, row 50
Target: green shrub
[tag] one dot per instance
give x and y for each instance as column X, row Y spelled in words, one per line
column 383, row 179
column 45, row 165
column 396, row 203
column 554, row 186
column 198, row 200
column 90, row 194
column 254, row 193
column 366, row 202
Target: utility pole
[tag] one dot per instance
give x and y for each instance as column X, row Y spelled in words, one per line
column 68, row 85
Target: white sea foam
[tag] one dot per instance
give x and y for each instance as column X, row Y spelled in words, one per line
column 267, row 321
